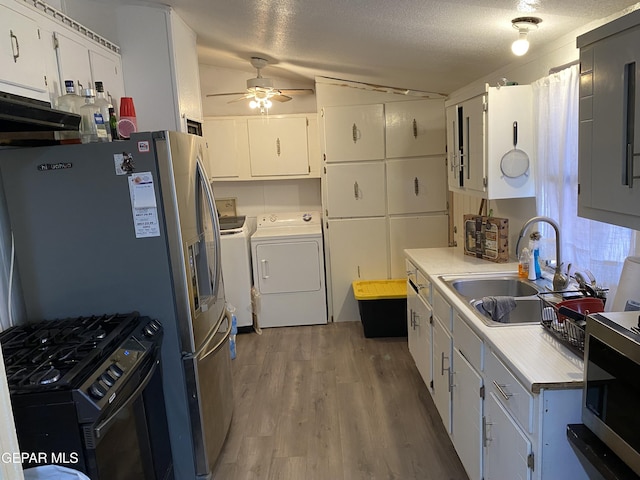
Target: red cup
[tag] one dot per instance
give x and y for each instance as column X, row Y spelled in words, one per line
column 126, row 107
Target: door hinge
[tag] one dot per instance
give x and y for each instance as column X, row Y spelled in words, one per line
column 325, row 170
column 46, row 84
column 307, row 120
column 482, row 392
column 431, row 384
column 485, row 181
column 309, row 167
column 56, row 43
column 322, row 112
column 530, row 461
column 485, row 106
column 431, row 320
column 327, row 225
column 578, row 189
column 39, row 37
column 324, row 158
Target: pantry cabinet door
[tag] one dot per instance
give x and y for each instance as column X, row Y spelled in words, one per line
column 416, row 185
column 278, row 146
column 22, row 55
column 355, row 190
column 354, row 133
column 415, row 231
column 358, row 251
column 415, row 128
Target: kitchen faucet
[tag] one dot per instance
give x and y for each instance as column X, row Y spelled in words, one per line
column 560, row 281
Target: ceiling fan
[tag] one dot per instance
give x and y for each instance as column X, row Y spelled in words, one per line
column 261, row 92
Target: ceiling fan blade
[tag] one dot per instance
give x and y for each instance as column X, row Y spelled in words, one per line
column 222, row 94
column 296, row 91
column 281, row 98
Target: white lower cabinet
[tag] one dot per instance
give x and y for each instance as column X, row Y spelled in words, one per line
column 419, row 331
column 442, row 364
column 358, row 249
column 507, row 451
column 466, row 431
column 500, row 428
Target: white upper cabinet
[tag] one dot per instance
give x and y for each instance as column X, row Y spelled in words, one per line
column 416, row 185
column 354, row 133
column 160, row 57
column 415, row 128
column 106, row 68
column 609, row 132
column 227, row 140
column 278, row 146
column 355, row 190
column 490, row 144
column 73, row 60
column 22, row 55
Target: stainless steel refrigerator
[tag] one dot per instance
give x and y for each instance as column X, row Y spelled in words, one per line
column 132, row 226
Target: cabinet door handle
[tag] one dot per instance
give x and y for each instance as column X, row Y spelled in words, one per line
column 416, row 320
column 356, row 190
column 15, row 51
column 500, row 389
column 442, row 369
column 278, row 146
column 354, row 133
column 415, row 128
column 630, row 100
column 485, row 432
column 416, row 186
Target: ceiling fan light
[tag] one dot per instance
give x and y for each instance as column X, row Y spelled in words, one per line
column 268, row 103
column 253, row 104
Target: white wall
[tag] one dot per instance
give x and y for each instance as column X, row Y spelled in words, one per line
column 254, row 198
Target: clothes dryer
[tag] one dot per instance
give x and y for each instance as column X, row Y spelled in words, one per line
column 288, row 269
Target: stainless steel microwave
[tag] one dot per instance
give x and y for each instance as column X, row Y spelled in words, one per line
column 611, row 394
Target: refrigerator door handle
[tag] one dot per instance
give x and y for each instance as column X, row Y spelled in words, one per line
column 216, row 226
column 204, row 351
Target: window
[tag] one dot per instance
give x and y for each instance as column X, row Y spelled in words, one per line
column 586, row 244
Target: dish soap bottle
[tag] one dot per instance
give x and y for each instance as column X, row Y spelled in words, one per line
column 523, row 263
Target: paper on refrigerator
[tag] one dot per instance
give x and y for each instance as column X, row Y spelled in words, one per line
column 144, row 205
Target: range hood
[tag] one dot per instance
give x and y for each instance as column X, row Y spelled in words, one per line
column 23, row 118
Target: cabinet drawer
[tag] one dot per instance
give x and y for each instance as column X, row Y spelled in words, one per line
column 442, row 309
column 510, row 391
column 424, row 287
column 468, row 343
column 412, row 272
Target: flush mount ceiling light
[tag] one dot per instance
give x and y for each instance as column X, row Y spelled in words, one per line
column 524, row 25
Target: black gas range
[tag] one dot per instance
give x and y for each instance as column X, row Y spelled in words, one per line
column 78, row 391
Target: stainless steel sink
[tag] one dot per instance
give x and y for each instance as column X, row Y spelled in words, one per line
column 527, row 310
column 476, row 288
column 473, row 288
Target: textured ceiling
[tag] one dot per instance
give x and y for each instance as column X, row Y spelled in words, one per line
column 429, row 45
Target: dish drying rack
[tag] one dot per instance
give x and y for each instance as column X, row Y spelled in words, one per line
column 569, row 331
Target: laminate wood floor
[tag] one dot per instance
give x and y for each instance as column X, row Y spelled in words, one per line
column 325, row 403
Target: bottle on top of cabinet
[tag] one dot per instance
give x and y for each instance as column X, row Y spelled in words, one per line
column 103, row 103
column 93, row 127
column 69, row 102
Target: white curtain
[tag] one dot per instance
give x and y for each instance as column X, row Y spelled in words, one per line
column 588, row 245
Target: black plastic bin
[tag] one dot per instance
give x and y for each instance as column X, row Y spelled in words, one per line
column 383, row 307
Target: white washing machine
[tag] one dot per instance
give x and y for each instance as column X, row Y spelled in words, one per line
column 235, row 250
column 288, row 269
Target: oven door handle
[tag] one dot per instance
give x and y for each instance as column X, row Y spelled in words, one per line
column 105, row 423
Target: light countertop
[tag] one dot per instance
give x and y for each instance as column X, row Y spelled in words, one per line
column 537, row 358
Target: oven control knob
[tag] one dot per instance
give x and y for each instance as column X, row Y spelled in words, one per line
column 107, row 379
column 151, row 328
column 115, row 370
column 96, row 390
